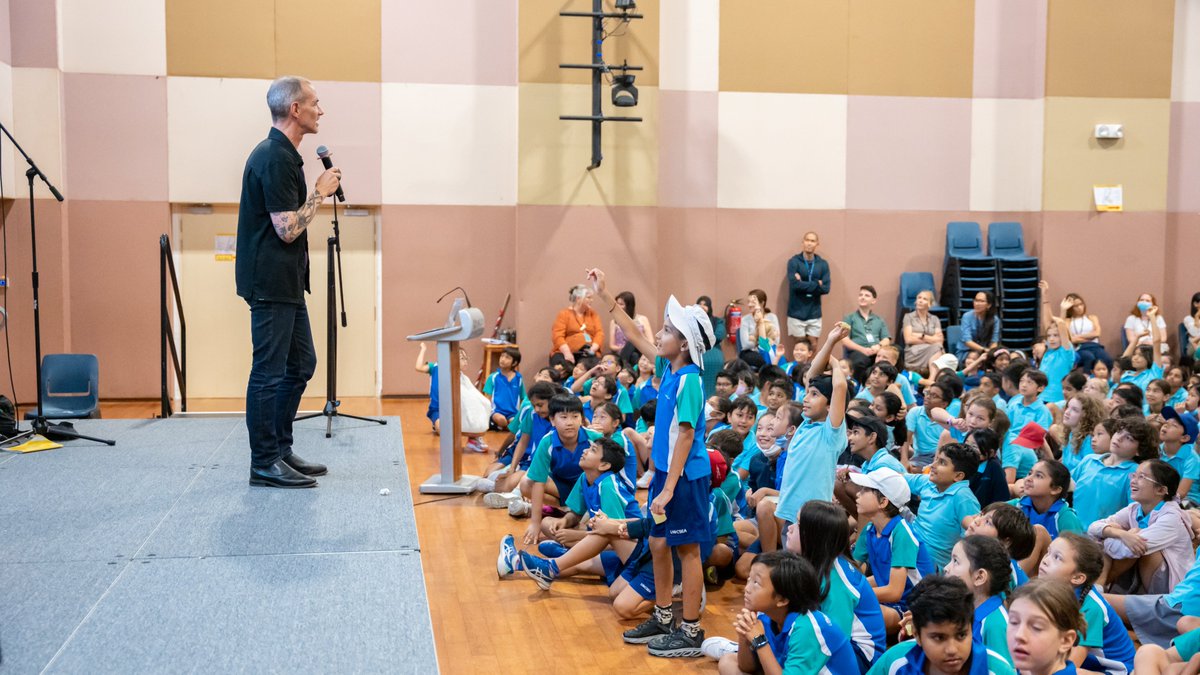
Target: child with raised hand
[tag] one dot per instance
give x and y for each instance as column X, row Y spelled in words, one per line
column 1056, row 356
column 813, row 451
column 780, row 629
column 1044, row 625
column 606, row 421
column 598, row 490
column 1080, row 417
column 679, row 491
column 942, row 609
column 1102, row 479
column 1178, row 435
column 982, row 564
column 894, row 556
column 1105, row 646
column 946, row 499
column 978, row 412
column 1006, row 524
column 1044, row 504
column 1151, row 539
column 506, row 387
column 821, row 534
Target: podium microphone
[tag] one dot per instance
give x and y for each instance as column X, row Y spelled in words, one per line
column 327, row 162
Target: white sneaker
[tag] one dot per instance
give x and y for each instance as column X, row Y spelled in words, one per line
column 500, row 500
column 644, row 481
column 716, row 647
column 474, row 445
column 506, row 560
column 485, row 485
column 519, row 508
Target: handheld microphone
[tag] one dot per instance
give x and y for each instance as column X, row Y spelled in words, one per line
column 327, row 162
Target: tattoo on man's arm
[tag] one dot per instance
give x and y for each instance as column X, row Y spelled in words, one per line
column 289, row 224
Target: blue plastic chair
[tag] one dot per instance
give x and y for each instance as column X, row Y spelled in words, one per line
column 964, row 239
column 1006, row 242
column 70, row 387
column 912, row 283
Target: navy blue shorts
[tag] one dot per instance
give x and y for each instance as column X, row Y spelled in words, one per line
column 687, row 512
column 613, row 567
column 506, row 456
column 432, row 413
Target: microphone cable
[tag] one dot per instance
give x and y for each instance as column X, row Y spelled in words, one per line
column 4, row 293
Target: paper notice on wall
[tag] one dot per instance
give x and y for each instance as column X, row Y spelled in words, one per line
column 225, row 247
column 1108, row 197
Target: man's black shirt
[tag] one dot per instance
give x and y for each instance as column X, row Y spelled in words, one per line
column 267, row 267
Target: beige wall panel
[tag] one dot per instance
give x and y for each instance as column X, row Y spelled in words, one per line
column 554, row 155
column 1185, row 66
column 212, row 125
column 1181, row 280
column 546, row 40
column 131, row 41
column 1006, row 154
column 219, row 321
column 37, row 124
column 786, row 46
column 912, row 47
column 222, row 38
column 321, row 41
column 689, row 56
column 1110, row 48
column 1075, row 160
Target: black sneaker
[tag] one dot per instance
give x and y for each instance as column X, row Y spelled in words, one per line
column 646, row 631
column 678, row 644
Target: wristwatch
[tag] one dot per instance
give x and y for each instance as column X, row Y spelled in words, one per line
column 759, row 642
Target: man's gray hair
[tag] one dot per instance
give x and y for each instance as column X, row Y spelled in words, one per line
column 283, row 93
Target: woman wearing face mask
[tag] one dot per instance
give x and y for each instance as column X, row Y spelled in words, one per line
column 1139, row 325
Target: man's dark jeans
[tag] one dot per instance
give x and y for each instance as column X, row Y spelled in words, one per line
column 284, row 361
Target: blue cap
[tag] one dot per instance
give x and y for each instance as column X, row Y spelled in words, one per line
column 1190, row 428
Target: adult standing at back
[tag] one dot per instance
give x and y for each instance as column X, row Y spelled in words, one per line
column 808, row 280
column 274, row 213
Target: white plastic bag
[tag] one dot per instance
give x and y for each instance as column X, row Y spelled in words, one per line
column 476, row 408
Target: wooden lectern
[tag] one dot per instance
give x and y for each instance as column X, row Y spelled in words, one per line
column 463, row 324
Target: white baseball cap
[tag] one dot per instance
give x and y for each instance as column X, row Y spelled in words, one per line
column 693, row 322
column 891, row 484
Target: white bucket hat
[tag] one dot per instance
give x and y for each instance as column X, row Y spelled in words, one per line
column 693, row 322
column 891, row 484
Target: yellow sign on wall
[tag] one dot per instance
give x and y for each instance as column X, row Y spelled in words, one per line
column 1108, row 197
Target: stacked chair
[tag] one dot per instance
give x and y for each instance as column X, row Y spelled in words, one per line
column 967, row 270
column 1017, row 279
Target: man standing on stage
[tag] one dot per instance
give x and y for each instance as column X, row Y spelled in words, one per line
column 272, row 276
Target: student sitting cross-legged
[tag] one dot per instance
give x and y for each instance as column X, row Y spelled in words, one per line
column 554, row 468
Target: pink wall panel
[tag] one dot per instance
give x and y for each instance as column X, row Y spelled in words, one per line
column 34, row 34
column 1183, row 172
column 1182, row 281
column 1010, row 48
column 114, row 289
column 426, row 251
column 5, row 33
column 352, row 132
column 1108, row 258
column 908, row 153
column 450, row 42
column 19, row 297
column 687, row 148
column 116, row 136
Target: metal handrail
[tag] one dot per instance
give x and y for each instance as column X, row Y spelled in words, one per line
column 166, row 263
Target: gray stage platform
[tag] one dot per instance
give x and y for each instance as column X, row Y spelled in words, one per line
column 157, row 556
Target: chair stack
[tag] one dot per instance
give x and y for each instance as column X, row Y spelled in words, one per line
column 1018, row 276
column 966, row 270
column 912, row 283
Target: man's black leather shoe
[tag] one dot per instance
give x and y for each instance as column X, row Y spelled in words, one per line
column 307, row 468
column 280, row 475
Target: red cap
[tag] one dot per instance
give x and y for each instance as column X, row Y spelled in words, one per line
column 1033, row 435
column 719, row 468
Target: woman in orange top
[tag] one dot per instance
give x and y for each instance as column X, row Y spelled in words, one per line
column 577, row 330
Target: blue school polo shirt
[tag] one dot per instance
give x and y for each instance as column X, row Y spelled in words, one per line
column 680, row 401
column 883, row 459
column 609, row 495
column 1070, row 458
column 907, row 658
column 853, row 607
column 552, row 460
column 1019, row 414
column 906, row 391
column 1186, row 594
column 1056, row 363
column 433, row 411
column 1109, row 648
column 1188, row 466
column 895, row 546
column 925, row 433
column 1101, row 490
column 1018, row 578
column 939, row 519
column 1058, row 518
column 631, row 460
column 990, row 625
column 810, row 469
column 506, row 393
column 809, row 643
column 1143, row 378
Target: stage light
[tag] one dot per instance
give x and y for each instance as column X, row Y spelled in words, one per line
column 626, row 5
column 624, row 94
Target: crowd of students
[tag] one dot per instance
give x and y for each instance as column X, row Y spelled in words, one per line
column 1027, row 513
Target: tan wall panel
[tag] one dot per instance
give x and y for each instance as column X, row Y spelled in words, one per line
column 219, row 321
column 222, row 38
column 328, row 42
column 554, row 155
column 546, row 40
column 912, row 47
column 1075, row 160
column 1111, row 48
column 789, row 46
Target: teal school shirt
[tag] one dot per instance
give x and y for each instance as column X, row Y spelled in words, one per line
column 1100, row 490
column 939, row 519
column 812, row 461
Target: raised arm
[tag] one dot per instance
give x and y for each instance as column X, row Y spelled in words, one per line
column 821, row 360
column 632, row 333
column 1156, row 334
column 422, row 366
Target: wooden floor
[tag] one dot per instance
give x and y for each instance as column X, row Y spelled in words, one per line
column 483, row 624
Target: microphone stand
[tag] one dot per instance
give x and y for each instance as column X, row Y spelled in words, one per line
column 335, row 288
column 39, row 425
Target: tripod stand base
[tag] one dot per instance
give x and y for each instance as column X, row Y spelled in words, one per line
column 330, row 412
column 434, row 485
column 40, row 426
